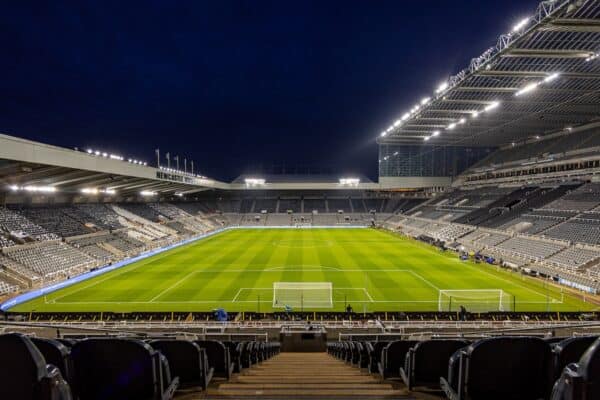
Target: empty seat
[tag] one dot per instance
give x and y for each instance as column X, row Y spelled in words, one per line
column 569, row 351
column 187, row 361
column 392, row 358
column 374, row 349
column 427, row 361
column 581, row 380
column 119, row 369
column 516, row 368
column 218, row 357
column 235, row 350
column 24, row 373
column 57, row 354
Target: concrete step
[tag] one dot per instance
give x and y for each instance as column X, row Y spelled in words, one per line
column 303, row 385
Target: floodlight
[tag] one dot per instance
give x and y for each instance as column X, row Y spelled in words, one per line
column 147, row 193
column 443, row 86
column 425, row 101
column 349, row 181
column 254, row 181
column 552, row 77
column 462, row 121
column 520, row 25
column 491, row 106
column 435, row 133
column 527, row 89
column 451, row 126
column 426, row 138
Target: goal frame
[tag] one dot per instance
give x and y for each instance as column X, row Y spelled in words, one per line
column 468, row 297
column 302, row 299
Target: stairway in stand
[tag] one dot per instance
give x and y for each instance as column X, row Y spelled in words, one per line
column 305, row 376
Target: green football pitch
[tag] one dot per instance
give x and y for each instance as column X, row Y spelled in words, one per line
column 372, row 270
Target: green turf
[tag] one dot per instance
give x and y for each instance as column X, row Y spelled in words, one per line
column 370, row 269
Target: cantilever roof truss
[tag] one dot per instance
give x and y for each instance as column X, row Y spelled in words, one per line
column 556, row 54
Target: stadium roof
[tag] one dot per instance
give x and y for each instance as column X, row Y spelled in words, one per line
column 32, row 166
column 541, row 78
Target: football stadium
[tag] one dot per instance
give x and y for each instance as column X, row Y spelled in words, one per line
column 468, row 269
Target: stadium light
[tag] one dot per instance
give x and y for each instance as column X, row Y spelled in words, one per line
column 462, row 121
column 451, row 126
column 425, row 101
column 349, row 181
column 475, row 114
column 95, row 191
column 435, row 133
column 33, row 188
column 592, row 57
column 147, row 193
column 426, row 138
column 520, row 25
column 491, row 106
column 552, row 77
column 443, row 86
column 527, row 88
column 254, row 181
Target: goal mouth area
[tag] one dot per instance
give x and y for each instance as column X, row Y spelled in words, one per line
column 302, row 295
column 475, row 300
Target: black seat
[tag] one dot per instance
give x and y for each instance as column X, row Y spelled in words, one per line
column 392, row 358
column 57, row 354
column 427, row 361
column 581, row 380
column 187, row 361
column 570, row 351
column 112, row 368
column 374, row 349
column 218, row 357
column 518, row 368
column 24, row 373
column 235, row 351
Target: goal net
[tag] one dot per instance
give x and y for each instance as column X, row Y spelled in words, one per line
column 475, row 300
column 302, row 294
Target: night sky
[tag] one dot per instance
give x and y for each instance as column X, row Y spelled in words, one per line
column 234, row 85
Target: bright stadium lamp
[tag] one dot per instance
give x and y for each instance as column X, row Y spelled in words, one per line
column 349, row 181
column 451, row 126
column 491, row 106
column 426, row 138
column 552, row 77
column 443, row 86
column 520, row 25
column 435, row 133
column 254, row 182
column 147, row 193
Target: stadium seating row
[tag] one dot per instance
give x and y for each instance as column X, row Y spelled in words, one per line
column 118, row 368
column 487, row 369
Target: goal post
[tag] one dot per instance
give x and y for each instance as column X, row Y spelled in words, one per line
column 303, row 294
column 475, row 300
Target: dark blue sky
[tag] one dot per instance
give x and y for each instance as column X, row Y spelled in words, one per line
column 234, row 85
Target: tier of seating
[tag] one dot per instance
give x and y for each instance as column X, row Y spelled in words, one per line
column 574, row 257
column 119, row 368
column 101, row 215
column 53, row 220
column 531, row 248
column 583, row 198
column 556, row 145
column 496, row 368
column 14, row 222
column 576, row 230
column 168, row 210
column 143, row 210
column 47, row 258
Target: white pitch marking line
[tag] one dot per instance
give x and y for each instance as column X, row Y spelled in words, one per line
column 173, row 286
